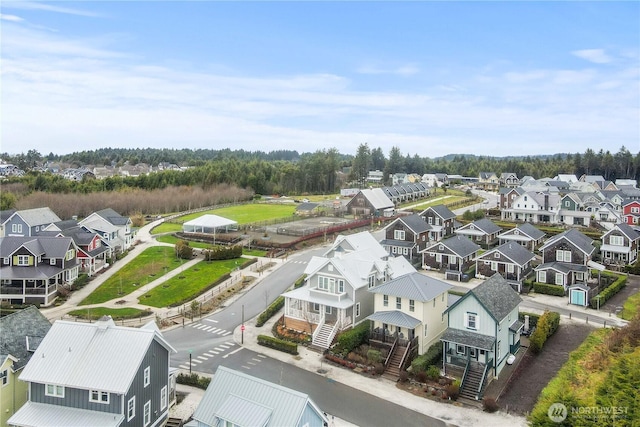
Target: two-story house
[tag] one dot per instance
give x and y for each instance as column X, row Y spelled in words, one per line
column 20, row 334
column 578, row 208
column 534, row 207
column 453, row 255
column 631, row 212
column 237, row 399
column 406, row 236
column 509, row 180
column 113, row 228
column 510, row 260
column 408, row 313
column 441, row 220
column 620, row 245
column 524, row 234
column 488, row 181
column 335, row 295
column 508, row 195
column 564, row 259
column 482, row 231
column 97, row 374
column 28, row 222
column 483, row 331
column 32, row 268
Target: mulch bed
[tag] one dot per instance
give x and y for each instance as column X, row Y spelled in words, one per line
column 535, row 371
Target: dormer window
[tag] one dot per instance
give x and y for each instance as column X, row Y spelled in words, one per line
column 496, row 255
column 99, row 396
column 23, row 260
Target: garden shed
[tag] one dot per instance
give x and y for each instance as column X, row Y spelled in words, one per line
column 209, row 224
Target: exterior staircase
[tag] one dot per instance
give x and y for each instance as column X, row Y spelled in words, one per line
column 469, row 388
column 324, row 336
column 392, row 371
column 174, row 422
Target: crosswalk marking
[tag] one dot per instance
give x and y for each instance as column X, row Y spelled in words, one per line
column 214, row 352
column 211, row 320
column 209, row 354
column 251, row 363
column 196, row 361
column 262, row 355
column 246, row 367
column 257, row 360
column 203, row 357
column 184, row 366
column 225, row 334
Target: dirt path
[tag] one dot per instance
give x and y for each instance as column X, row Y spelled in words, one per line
column 535, row 371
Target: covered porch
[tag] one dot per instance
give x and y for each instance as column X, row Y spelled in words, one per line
column 400, row 333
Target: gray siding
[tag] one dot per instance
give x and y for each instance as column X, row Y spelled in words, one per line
column 157, row 358
column 365, row 298
column 75, row 398
column 8, row 230
column 310, row 417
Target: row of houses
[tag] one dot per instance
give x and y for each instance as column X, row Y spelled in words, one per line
column 41, row 253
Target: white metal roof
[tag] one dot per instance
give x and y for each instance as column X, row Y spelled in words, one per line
column 33, row 414
column 210, row 221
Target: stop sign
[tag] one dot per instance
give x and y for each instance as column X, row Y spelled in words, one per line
column 242, row 328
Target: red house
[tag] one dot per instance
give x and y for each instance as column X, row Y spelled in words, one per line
column 631, row 212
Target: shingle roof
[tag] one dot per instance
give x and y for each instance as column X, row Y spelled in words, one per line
column 413, row 286
column 471, row 339
column 244, row 398
column 113, row 217
column 485, row 225
column 628, row 231
column 415, row 222
column 307, row 206
column 497, row 296
column 38, row 216
column 440, row 210
column 515, row 252
column 91, row 355
column 575, row 237
column 19, row 329
column 459, row 245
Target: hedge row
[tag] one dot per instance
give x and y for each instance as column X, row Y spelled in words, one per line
column 270, row 311
column 222, row 252
column 608, row 292
column 431, row 357
column 352, row 338
column 544, row 288
column 278, row 344
column 547, row 325
column 194, row 380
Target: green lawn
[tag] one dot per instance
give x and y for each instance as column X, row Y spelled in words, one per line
column 242, row 214
column 189, row 283
column 115, row 313
column 631, row 306
column 146, row 267
column 169, row 238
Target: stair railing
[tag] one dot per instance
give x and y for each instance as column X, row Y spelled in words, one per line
column 482, row 380
column 393, row 347
column 466, row 370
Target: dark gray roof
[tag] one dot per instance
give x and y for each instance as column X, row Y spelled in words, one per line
column 628, row 231
column 515, row 326
column 19, row 329
column 459, row 245
column 485, row 225
column 307, row 206
column 471, row 339
column 440, row 210
column 576, row 238
column 113, row 217
column 401, row 243
column 515, row 252
column 6, row 214
column 530, row 231
column 66, row 224
column 562, row 267
column 38, row 216
column 415, row 222
column 413, row 286
column 396, row 318
column 497, row 296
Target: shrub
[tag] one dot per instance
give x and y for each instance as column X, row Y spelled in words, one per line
column 403, row 376
column 547, row 326
column 278, row 344
column 433, row 372
column 453, row 390
column 379, row 368
column 353, row 338
column 544, row 288
column 608, row 292
column 421, row 376
column 433, row 356
column 533, row 318
column 373, row 356
column 489, row 404
column 222, row 252
column 270, row 311
column 194, row 380
column 183, row 250
column 81, row 281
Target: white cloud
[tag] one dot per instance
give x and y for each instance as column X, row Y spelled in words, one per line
column 12, row 18
column 404, row 70
column 597, row 56
column 32, row 5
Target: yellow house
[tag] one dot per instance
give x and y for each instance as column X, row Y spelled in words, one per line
column 20, row 334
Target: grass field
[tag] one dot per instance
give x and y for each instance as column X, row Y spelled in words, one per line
column 631, row 306
column 146, row 267
column 116, row 313
column 189, row 283
column 172, row 240
column 242, row 214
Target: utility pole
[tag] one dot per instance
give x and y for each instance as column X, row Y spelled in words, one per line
column 242, row 327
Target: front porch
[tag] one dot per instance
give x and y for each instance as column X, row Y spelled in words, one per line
column 322, row 321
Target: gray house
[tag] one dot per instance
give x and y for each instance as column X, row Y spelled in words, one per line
column 406, row 236
column 524, row 234
column 454, row 256
column 28, row 222
column 98, row 374
column 510, row 260
column 236, row 399
column 482, row 231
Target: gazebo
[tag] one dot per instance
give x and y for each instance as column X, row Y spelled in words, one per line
column 209, row 224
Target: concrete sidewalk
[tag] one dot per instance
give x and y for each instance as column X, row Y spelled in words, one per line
column 453, row 414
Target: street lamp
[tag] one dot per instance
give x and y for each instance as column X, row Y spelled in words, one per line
column 189, row 361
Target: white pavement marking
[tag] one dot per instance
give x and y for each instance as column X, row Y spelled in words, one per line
column 246, row 367
column 209, row 354
column 225, row 334
column 198, row 326
column 257, row 360
column 233, row 352
column 196, row 361
column 184, row 366
column 214, row 330
column 211, row 320
column 214, row 352
column 262, row 355
column 219, row 349
column 225, row 346
column 251, row 363
column 230, row 343
column 203, row 358
column 207, row 328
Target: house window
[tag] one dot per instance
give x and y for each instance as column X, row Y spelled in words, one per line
column 385, row 300
column 16, row 228
column 567, row 203
column 6, row 260
column 23, row 259
column 494, row 266
column 54, row 390
column 616, row 240
column 498, row 350
column 393, row 249
column 425, row 329
column 412, row 305
column 99, row 396
column 472, row 352
column 399, row 303
column 147, row 413
column 340, row 286
column 4, row 377
column 579, row 276
column 70, row 254
column 327, row 309
column 372, row 281
column 406, row 251
column 358, row 309
column 563, row 256
column 438, row 257
column 52, row 261
column 559, row 279
column 398, row 234
column 163, row 398
column 316, row 307
column 542, row 276
column 471, row 321
column 147, row 376
column 131, row 408
column 496, row 255
column 509, row 268
column 460, row 349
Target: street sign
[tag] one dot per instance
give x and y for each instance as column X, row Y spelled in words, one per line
column 242, row 328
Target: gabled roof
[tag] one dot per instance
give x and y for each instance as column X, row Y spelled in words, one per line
column 396, row 318
column 245, row 400
column 211, row 221
column 459, row 245
column 21, row 333
column 625, row 229
column 354, row 242
column 96, row 355
column 113, row 217
column 37, row 216
column 48, row 246
column 413, row 286
column 485, row 225
column 441, row 210
column 573, row 236
column 307, row 206
column 414, row 222
column 527, row 229
column 378, row 198
column 495, row 295
column 512, row 251
column 6, row 214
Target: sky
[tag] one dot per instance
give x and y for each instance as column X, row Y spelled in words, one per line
column 431, row 78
